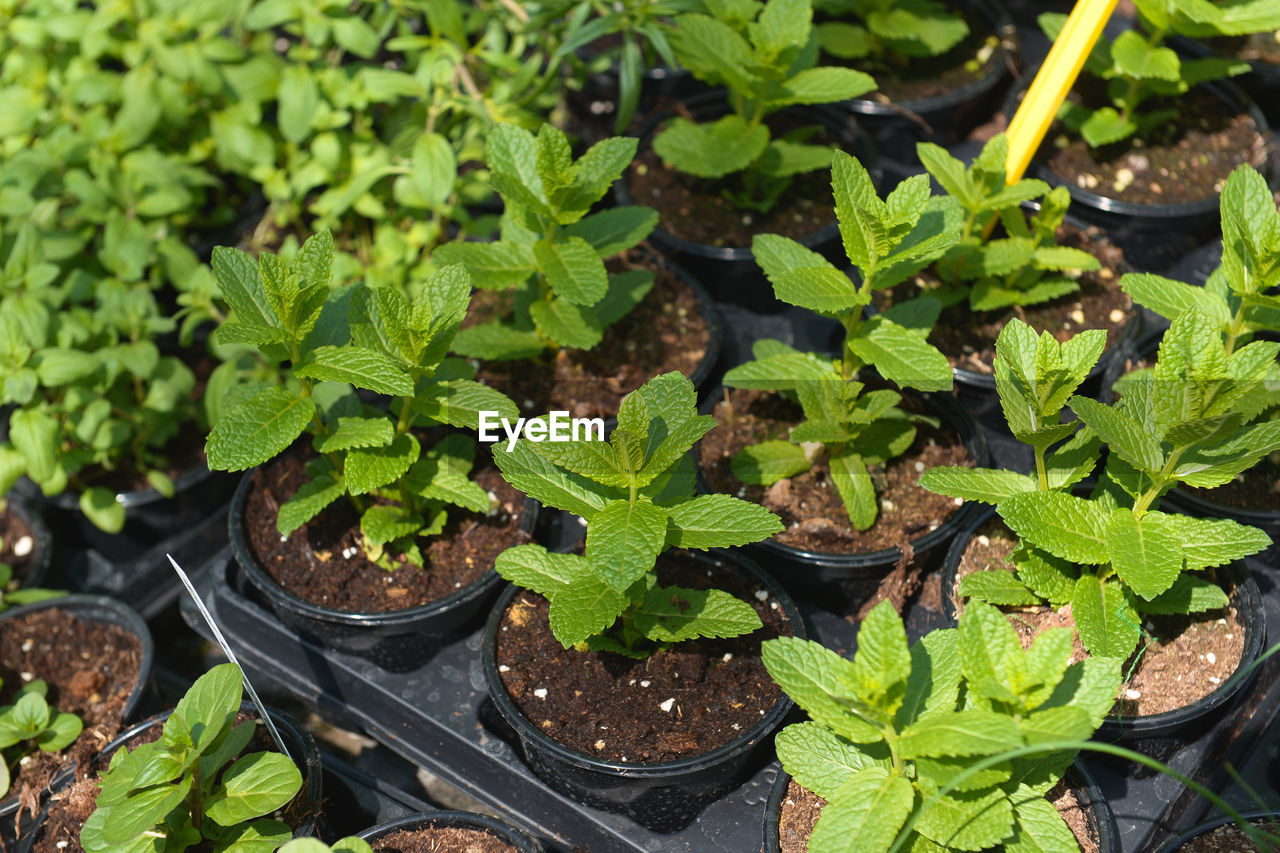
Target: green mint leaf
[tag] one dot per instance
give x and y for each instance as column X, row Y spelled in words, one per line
column 363, row 368
column 804, row 278
column 1040, row 828
column 997, row 586
column 1123, row 435
column 626, row 290
column 1171, row 299
column 711, row 150
column 254, row 786
column 306, row 503
column 1050, row 577
column 934, row 683
column 1108, row 625
column 34, row 434
column 989, row 649
column 459, row 402
column 613, row 231
column 100, row 506
column 538, row 477
column 568, row 324
column 822, row 85
column 1073, row 461
column 1134, row 57
column 624, row 540
column 356, row 432
column 820, row 760
column 857, row 492
column 382, row 524
column 963, row 733
column 584, row 608
column 1105, row 126
column 1062, row 524
column 369, row 468
column 572, row 268
column 1189, row 594
column 1092, row 684
column 435, row 170
column 1146, row 552
column 986, row 485
column 535, row 568
column 596, row 460
column 209, row 706
column 818, row 680
column 128, row 820
column 513, row 150
column 865, row 813
column 782, row 159
column 241, row 286
column 1209, row 542
column 719, row 521
column 768, row 462
column 782, row 372
column 493, row 266
column 882, row 662
column 900, row 356
column 974, row 820
column 933, row 773
column 258, row 429
column 674, row 614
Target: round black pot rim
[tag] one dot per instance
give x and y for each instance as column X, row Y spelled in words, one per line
column 42, row 538
column 1245, row 596
column 1172, row 845
column 1224, row 90
column 658, row 769
column 1002, row 27
column 187, row 479
column 1268, row 71
column 513, row 835
column 976, row 446
column 709, row 102
column 407, row 617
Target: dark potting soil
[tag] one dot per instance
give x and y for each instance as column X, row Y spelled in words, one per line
column 310, row 562
column 443, row 839
column 918, row 78
column 801, row 809
column 1186, row 658
column 815, row 517
column 1185, row 161
column 17, row 546
column 1230, row 839
column 665, row 332
column 696, row 209
column 90, row 668
column 968, row 338
column 1255, row 489
column 1255, row 47
column 685, row 700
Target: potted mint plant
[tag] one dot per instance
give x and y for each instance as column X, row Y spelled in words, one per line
column 373, row 530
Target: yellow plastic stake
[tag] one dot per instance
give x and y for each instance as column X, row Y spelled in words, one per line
column 1054, row 80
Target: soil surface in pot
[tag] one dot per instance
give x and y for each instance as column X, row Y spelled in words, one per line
column 1228, row 839
column 443, row 839
column 310, row 564
column 968, row 338
column 1255, row 47
column 696, row 209
column 72, row 806
column 683, row 701
column 665, row 332
column 801, row 809
column 91, row 669
column 921, row 77
column 1187, row 160
column 1255, row 489
column 15, row 537
column 1187, row 658
column 815, row 517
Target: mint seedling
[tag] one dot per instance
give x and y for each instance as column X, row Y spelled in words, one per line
column 1025, row 267
column 192, row 787
column 1138, row 67
column 29, row 724
column 889, row 33
column 765, row 55
column 1114, row 556
column 897, row 725
column 636, row 493
column 326, row 340
column 887, row 240
column 551, row 252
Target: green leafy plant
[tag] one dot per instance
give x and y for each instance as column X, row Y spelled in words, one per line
column 193, row 787
column 1138, row 68
column 894, row 728
column 1114, row 556
column 765, row 55
column 889, row 33
column 334, row 338
column 350, row 844
column 551, row 251
column 13, row 596
column 636, row 493
column 29, row 724
column 1024, row 267
column 887, row 241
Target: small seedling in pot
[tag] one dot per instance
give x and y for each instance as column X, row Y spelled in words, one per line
column 551, row 252
column 636, row 493
column 18, row 596
column 889, row 33
column 1024, row 267
column 888, row 241
column 765, row 55
column 1139, row 68
column 896, row 732
column 193, row 787
column 31, row 724
column 326, row 340
column 1114, row 556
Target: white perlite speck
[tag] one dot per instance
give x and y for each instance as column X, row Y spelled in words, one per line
column 502, row 667
column 23, row 546
column 644, row 684
column 728, row 656
column 541, row 693
column 600, row 744
column 667, row 705
column 28, row 645
column 1132, row 694
column 762, row 594
column 1211, row 657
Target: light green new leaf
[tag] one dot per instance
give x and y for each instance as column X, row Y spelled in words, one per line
column 819, row 681
column 768, row 462
column 534, row 567
column 818, row 759
column 964, row 733
column 254, row 786
column 997, row 586
column 973, row 820
column 986, row 485
column 356, row 432
column 1189, row 594
column 258, row 429
column 1146, row 552
column 719, row 521
column 1062, row 524
column 900, row 356
column 711, row 150
column 865, row 813
column 572, row 268
column 493, row 266
column 882, row 662
column 624, row 540
column 1108, row 625
column 823, row 85
column 857, row 492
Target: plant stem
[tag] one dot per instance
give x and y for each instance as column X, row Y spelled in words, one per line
column 1040, row 470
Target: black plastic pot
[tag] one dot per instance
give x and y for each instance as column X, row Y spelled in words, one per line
column 396, row 640
column 42, row 540
column 731, row 275
column 1102, row 821
column 597, row 101
column 663, row 796
column 1262, row 82
column 1182, row 722
column 842, row 582
column 302, row 749
column 896, row 126
column 1153, row 236
column 103, row 611
column 517, row 838
column 1175, row 845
